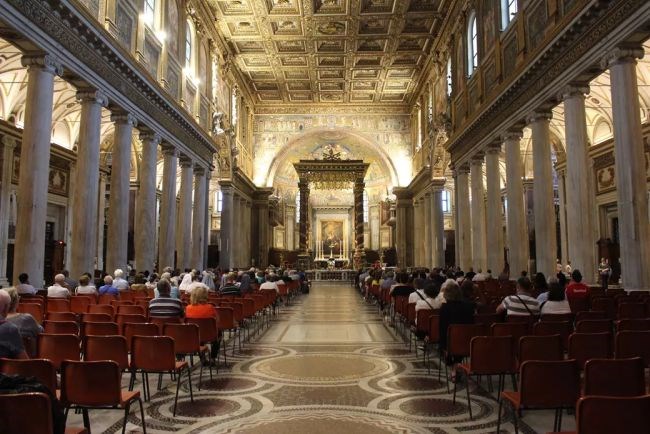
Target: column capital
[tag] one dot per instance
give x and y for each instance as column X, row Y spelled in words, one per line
column 46, row 62
column 199, row 170
column 120, row 117
column 438, row 184
column 150, row 136
column 477, row 159
column 185, row 161
column 539, row 115
column 9, row 142
column 463, row 169
column 574, row 90
column 169, row 149
column 512, row 135
column 93, row 96
column 493, row 148
column 622, row 55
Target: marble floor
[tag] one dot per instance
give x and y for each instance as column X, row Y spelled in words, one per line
column 328, row 363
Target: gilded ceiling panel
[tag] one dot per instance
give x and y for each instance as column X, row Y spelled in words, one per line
column 373, row 50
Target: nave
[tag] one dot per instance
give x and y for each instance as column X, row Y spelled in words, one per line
column 328, row 363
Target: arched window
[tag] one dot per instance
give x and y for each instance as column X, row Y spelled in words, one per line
column 150, row 13
column 508, row 12
column 189, row 30
column 446, row 201
column 472, row 44
column 449, row 77
column 218, row 201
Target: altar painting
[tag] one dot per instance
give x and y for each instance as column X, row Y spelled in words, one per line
column 332, row 237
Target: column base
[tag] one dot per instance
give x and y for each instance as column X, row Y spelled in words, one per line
column 359, row 258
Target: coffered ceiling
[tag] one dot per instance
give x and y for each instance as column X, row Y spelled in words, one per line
column 329, row 51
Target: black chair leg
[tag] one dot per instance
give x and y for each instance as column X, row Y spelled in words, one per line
column 189, row 376
column 144, row 425
column 469, row 402
column 178, row 387
column 127, row 407
column 499, row 417
column 86, row 419
column 515, row 421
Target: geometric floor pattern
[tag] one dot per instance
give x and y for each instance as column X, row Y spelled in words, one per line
column 329, row 363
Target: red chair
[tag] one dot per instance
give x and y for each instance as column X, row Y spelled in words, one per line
column 106, row 299
column 96, row 385
column 614, row 377
column 557, row 317
column 124, row 318
column 633, row 344
column 433, row 338
column 590, row 314
column 138, row 329
column 58, row 305
column 586, row 346
column 107, row 348
column 61, row 316
column 96, row 317
column 160, row 321
column 61, row 327
column 546, row 348
column 633, row 325
column 550, row 328
column 489, row 355
column 79, row 303
column 99, row 329
column 29, row 413
column 57, row 348
column 102, row 308
column 34, row 309
column 514, row 329
column 459, row 338
column 130, row 309
column 42, row 369
column 598, row 415
column 544, row 385
column 594, row 326
column 604, row 304
column 631, row 311
column 156, row 354
column 487, row 318
column 187, row 343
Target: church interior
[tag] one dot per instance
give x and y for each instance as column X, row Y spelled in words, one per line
column 406, row 216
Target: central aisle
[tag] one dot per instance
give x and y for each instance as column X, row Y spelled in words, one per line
column 330, row 364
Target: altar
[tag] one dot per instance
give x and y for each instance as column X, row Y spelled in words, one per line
column 331, row 275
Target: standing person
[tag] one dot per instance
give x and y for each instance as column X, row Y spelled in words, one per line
column 604, row 270
column 164, row 305
column 24, row 287
column 522, row 303
column 11, row 343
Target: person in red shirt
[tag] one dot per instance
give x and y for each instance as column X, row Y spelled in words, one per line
column 200, row 308
column 576, row 290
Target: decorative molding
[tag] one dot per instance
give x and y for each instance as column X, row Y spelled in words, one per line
column 44, row 61
column 80, row 37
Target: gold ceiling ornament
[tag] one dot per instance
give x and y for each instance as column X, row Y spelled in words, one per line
column 330, row 155
column 330, row 52
column 331, row 174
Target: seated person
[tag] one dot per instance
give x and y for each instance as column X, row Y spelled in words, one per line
column 270, row 283
column 108, row 287
column 27, row 325
column 85, row 288
column 556, row 302
column 58, row 290
column 24, row 286
column 428, row 300
column 164, row 305
column 230, row 288
column 11, row 343
column 576, row 290
column 454, row 311
column 522, row 303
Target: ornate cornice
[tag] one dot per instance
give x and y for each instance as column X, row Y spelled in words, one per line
column 44, row 61
column 264, row 109
column 89, row 51
column 572, row 47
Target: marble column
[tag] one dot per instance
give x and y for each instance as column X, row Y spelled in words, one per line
column 518, row 255
column 247, row 246
column 359, row 254
column 428, row 228
column 117, row 239
column 417, row 239
column 494, row 234
column 437, row 223
column 145, row 205
column 226, row 234
column 198, row 218
column 402, row 225
column 184, row 232
column 29, row 253
column 101, row 222
column 631, row 186
column 545, row 222
column 479, row 248
column 580, row 224
column 564, row 244
column 303, row 188
column 167, row 232
column 464, row 219
column 236, row 241
column 8, row 147
column 84, row 206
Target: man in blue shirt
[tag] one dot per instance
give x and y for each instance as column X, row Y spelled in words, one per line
column 108, row 287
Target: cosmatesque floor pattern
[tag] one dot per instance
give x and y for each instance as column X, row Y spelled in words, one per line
column 329, row 363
